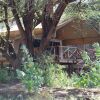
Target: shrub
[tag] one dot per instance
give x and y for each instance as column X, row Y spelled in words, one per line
column 41, row 72
column 92, row 77
column 5, row 75
column 53, row 74
column 31, row 74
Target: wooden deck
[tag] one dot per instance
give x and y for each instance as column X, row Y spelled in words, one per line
column 68, row 55
column 67, row 61
column 63, row 55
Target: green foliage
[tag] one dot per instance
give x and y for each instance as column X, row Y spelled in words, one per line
column 52, row 72
column 3, row 75
column 85, row 57
column 37, row 5
column 97, row 51
column 94, row 22
column 31, row 74
column 86, row 9
column 41, row 72
column 92, row 77
column 54, row 76
column 6, row 76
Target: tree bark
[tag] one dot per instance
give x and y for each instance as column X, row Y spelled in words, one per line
column 18, row 22
column 50, row 23
column 28, row 23
column 46, row 23
column 49, row 29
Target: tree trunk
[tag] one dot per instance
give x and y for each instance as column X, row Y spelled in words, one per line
column 49, row 29
column 28, row 33
column 46, row 24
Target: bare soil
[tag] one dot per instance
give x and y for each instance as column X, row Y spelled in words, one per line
column 15, row 88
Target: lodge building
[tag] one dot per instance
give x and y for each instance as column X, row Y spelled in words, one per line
column 70, row 37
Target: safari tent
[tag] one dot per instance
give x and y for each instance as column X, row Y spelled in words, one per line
column 70, row 32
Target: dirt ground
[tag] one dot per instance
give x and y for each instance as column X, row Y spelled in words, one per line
column 57, row 92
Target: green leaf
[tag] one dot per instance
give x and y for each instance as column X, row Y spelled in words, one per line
column 20, row 74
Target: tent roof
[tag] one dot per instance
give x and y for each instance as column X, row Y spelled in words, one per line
column 71, row 31
column 77, row 31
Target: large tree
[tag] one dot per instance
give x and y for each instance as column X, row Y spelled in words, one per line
column 30, row 13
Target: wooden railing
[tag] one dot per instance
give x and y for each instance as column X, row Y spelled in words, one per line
column 68, row 54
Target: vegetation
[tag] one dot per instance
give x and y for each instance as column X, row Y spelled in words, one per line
column 6, row 75
column 31, row 74
column 47, row 73
column 52, row 72
column 85, row 10
column 42, row 73
column 3, row 75
column 89, row 78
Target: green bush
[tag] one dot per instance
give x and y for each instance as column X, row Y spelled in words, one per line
column 55, row 77
column 6, row 75
column 3, row 75
column 92, row 77
column 31, row 74
column 41, row 72
column 53, row 74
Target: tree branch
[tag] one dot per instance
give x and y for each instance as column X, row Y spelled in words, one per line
column 6, row 23
column 59, row 11
column 3, row 4
column 52, row 27
column 16, row 16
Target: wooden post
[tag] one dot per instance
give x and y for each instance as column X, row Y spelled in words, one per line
column 61, row 52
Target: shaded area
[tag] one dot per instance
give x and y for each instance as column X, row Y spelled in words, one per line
column 17, row 92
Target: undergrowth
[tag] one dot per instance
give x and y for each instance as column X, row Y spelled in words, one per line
column 90, row 78
column 42, row 72
column 6, row 75
column 45, row 72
